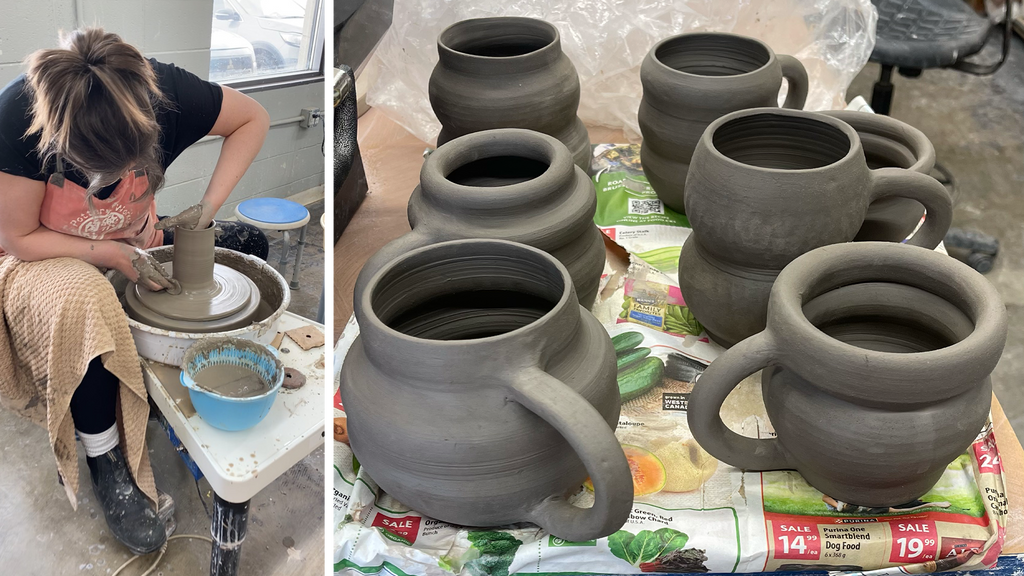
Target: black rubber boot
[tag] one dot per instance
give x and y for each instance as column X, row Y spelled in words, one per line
column 129, row 514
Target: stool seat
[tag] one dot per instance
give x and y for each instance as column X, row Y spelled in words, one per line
column 272, row 213
column 920, row 34
column 281, row 215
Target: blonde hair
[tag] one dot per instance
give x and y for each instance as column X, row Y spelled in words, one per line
column 94, row 105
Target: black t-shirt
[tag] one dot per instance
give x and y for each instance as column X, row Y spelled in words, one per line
column 193, row 110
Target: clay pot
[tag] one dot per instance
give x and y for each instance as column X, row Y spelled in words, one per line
column 889, row 143
column 507, row 72
column 691, row 80
column 877, row 362
column 507, row 184
column 731, row 302
column 479, row 391
column 767, row 185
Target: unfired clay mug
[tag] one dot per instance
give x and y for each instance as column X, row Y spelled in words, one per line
column 889, row 143
column 767, row 185
column 689, row 81
column 480, row 392
column 507, row 184
column 507, row 72
column 877, row 362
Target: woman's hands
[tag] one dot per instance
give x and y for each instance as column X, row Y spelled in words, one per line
column 195, row 217
column 141, row 267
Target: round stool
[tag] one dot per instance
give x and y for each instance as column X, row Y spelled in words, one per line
column 280, row 215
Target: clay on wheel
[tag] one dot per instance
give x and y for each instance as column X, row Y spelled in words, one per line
column 214, row 297
column 141, row 311
column 229, row 293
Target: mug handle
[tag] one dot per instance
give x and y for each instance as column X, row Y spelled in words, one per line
column 897, row 182
column 796, row 74
column 595, row 443
column 415, row 238
column 703, row 412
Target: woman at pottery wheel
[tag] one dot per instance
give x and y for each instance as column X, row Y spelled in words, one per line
column 85, row 137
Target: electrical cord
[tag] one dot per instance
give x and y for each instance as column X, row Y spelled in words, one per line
column 160, row 556
column 201, row 499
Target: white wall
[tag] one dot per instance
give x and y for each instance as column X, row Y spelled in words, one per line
column 178, row 31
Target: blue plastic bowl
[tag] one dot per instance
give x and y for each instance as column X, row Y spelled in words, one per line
column 225, row 412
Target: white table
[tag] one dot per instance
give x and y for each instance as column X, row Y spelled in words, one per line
column 240, row 464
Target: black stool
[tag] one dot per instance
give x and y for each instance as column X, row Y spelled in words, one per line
column 913, row 35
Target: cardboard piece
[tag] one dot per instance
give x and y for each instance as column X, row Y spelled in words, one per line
column 307, row 337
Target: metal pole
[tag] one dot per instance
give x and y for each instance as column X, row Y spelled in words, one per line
column 320, row 309
column 298, row 257
column 285, row 245
column 228, row 530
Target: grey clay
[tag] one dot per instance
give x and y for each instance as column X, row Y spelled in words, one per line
column 876, row 365
column 507, row 184
column 767, row 185
column 479, row 391
column 731, row 302
column 507, row 72
column 889, row 143
column 689, row 81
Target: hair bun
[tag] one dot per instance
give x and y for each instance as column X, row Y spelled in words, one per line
column 93, row 105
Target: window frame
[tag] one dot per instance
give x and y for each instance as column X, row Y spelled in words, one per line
column 288, row 79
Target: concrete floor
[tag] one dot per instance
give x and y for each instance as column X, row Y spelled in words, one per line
column 977, row 127
column 40, row 535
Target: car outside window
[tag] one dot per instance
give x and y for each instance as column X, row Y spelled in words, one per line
column 255, row 42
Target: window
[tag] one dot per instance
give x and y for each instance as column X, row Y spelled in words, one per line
column 259, row 43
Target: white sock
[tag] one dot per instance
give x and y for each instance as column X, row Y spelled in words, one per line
column 99, row 444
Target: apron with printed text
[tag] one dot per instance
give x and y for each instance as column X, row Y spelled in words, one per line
column 127, row 215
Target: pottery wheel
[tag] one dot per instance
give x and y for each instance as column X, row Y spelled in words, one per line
column 229, row 301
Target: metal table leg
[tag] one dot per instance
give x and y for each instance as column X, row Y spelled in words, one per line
column 320, row 309
column 228, row 530
column 285, row 245
column 298, row 257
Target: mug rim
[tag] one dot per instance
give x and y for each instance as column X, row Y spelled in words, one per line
column 892, row 130
column 443, row 39
column 739, row 37
column 461, row 151
column 854, row 150
column 479, row 247
column 787, row 321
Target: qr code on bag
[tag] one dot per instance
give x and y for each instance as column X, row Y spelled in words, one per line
column 646, row 206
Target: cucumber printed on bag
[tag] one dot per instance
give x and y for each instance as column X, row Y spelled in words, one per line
column 639, row 379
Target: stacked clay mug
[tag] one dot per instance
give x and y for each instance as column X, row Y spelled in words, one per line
column 507, row 184
column 767, row 185
column 507, row 72
column 691, row 80
column 889, row 143
column 480, row 392
column 877, row 362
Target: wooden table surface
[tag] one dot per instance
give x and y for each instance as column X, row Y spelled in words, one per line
column 392, row 158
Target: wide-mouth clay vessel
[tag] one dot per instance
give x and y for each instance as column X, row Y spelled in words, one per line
column 479, row 392
column 507, row 72
column 877, row 360
column 689, row 81
column 507, row 184
column 767, row 185
column 889, row 143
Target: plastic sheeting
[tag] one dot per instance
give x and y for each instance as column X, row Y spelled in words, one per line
column 608, row 39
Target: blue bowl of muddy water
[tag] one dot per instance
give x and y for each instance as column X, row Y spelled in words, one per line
column 228, row 412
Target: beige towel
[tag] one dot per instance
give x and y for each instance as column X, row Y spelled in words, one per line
column 57, row 316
